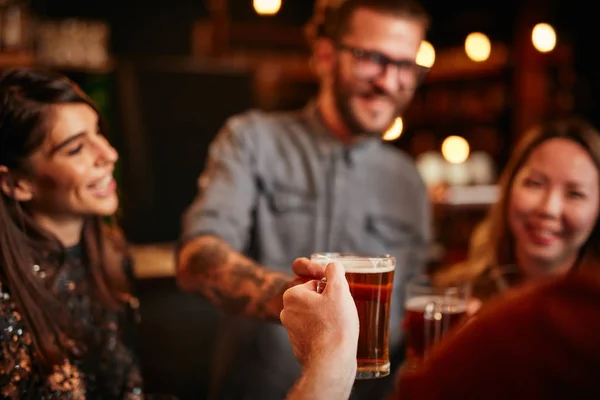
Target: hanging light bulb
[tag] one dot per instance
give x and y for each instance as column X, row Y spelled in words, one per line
column 267, row 7
column 543, row 37
column 478, row 46
column 455, row 149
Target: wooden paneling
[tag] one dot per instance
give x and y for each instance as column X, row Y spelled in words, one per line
column 173, row 110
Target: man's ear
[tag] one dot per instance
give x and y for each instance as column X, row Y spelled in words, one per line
column 323, row 57
column 19, row 189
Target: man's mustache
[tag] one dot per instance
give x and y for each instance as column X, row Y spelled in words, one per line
column 379, row 92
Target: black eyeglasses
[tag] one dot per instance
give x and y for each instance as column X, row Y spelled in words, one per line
column 370, row 64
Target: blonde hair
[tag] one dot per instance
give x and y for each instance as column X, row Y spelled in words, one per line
column 491, row 241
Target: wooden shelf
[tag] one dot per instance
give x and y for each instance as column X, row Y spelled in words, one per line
column 27, row 59
column 452, row 121
column 220, row 37
column 267, row 35
column 16, row 59
column 460, row 76
column 453, row 65
column 156, row 260
column 468, row 196
column 105, row 68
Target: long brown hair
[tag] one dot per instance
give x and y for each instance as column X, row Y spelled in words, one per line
column 26, row 99
column 492, row 243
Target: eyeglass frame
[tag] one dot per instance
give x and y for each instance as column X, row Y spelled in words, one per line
column 383, row 62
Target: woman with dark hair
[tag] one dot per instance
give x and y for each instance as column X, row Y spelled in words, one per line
column 65, row 302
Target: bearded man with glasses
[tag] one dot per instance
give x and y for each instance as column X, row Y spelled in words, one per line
column 279, row 186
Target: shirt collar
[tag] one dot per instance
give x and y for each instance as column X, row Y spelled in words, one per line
column 327, row 143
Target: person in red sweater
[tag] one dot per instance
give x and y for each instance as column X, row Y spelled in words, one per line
column 539, row 342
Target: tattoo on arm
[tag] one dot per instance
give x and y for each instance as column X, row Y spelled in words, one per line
column 272, row 290
column 245, row 271
column 236, row 305
column 235, row 283
column 208, row 256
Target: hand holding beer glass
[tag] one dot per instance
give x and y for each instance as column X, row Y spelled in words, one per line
column 430, row 312
column 371, row 281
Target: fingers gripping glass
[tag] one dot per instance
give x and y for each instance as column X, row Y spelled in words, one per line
column 370, row 64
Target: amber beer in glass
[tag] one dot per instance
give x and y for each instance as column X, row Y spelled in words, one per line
column 430, row 313
column 371, row 281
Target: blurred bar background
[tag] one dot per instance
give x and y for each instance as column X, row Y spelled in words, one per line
column 167, row 75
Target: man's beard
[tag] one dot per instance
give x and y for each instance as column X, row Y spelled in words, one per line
column 342, row 98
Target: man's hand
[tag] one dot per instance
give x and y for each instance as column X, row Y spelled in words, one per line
column 323, row 329
column 306, row 271
column 320, row 324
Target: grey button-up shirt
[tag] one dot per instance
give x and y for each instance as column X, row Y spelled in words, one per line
column 278, row 186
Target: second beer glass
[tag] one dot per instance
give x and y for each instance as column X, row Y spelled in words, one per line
column 430, row 312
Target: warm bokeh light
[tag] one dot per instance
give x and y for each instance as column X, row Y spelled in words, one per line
column 267, row 7
column 481, row 168
column 478, row 46
column 455, row 149
column 543, row 37
column 457, row 174
column 431, row 165
column 426, row 54
column 394, row 131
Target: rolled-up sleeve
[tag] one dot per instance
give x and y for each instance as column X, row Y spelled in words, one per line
column 226, row 188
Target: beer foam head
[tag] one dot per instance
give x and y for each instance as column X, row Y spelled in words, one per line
column 448, row 304
column 356, row 263
column 367, row 265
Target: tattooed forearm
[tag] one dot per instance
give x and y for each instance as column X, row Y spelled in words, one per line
column 244, row 271
column 274, row 290
column 230, row 280
column 208, row 256
column 235, row 305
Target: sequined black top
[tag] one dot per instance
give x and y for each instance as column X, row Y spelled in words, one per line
column 102, row 364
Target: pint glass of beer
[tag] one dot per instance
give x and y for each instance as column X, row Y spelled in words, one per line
column 371, row 280
column 429, row 313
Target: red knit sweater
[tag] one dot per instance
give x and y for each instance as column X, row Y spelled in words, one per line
column 542, row 342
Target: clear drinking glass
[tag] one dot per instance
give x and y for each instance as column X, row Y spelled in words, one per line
column 371, row 281
column 430, row 312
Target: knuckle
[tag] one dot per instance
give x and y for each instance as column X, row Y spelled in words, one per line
column 289, row 295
